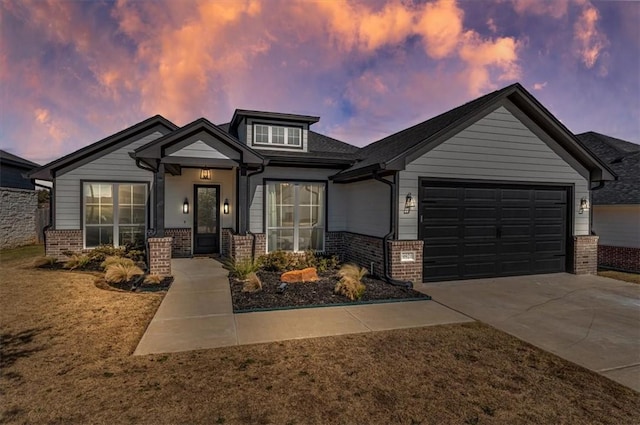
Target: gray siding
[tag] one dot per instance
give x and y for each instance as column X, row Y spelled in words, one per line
column 335, row 195
column 497, row 147
column 115, row 166
column 368, row 208
column 617, row 225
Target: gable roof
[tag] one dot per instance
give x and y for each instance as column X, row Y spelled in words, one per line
column 392, row 152
column 101, row 147
column 624, row 158
column 155, row 149
column 16, row 161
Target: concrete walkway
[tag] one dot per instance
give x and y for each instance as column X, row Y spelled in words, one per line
column 196, row 313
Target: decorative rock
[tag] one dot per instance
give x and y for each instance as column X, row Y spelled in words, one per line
column 309, row 274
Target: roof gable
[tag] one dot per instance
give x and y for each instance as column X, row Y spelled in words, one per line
column 103, row 147
column 15, row 160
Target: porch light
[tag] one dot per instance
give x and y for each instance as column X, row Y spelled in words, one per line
column 205, row 174
column 584, row 205
column 409, row 203
column 225, row 206
column 185, row 206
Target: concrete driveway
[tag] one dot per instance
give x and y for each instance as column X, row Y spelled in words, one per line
column 590, row 320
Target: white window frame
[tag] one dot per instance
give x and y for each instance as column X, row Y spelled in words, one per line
column 321, row 225
column 116, row 210
column 290, row 134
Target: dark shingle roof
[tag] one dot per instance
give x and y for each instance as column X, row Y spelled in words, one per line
column 16, row 160
column 624, row 159
column 390, row 147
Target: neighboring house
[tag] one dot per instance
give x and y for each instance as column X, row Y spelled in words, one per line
column 491, row 188
column 18, row 202
column 616, row 206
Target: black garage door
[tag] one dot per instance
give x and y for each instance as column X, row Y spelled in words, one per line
column 486, row 230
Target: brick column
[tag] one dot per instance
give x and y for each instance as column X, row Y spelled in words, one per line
column 405, row 260
column 60, row 241
column 160, row 256
column 241, row 247
column 585, row 254
column 181, row 245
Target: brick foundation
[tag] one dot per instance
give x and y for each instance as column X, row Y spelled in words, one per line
column 363, row 251
column 618, row 257
column 160, row 256
column 585, row 254
column 59, row 241
column 181, row 245
column 408, row 270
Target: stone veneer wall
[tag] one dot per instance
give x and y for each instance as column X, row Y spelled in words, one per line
column 17, row 217
column 160, row 256
column 181, row 245
column 585, row 254
column 59, row 241
column 618, row 257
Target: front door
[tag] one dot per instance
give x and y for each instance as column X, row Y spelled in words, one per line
column 206, row 223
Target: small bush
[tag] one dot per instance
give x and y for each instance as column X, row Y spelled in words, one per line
column 77, row 261
column 326, row 262
column 109, row 261
column 44, row 261
column 153, row 279
column 350, row 285
column 241, row 268
column 100, row 253
column 252, row 283
column 280, row 261
column 120, row 273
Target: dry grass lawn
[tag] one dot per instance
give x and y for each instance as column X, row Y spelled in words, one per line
column 626, row 277
column 66, row 358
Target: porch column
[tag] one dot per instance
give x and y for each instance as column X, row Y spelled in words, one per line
column 158, row 178
column 242, row 209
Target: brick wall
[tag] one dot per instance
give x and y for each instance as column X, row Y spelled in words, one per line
column 406, row 270
column 241, row 246
column 181, row 245
column 225, row 243
column 362, row 250
column 617, row 257
column 17, row 217
column 333, row 243
column 585, row 254
column 59, row 241
column 160, row 256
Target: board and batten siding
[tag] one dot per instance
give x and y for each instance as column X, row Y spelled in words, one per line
column 114, row 166
column 497, row 147
column 617, row 225
column 336, row 207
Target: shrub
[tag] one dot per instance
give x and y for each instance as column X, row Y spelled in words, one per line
column 252, row 283
column 350, row 285
column 280, row 261
column 44, row 261
column 77, row 261
column 326, row 262
column 101, row 252
column 153, row 279
column 241, row 268
column 121, row 273
column 109, row 261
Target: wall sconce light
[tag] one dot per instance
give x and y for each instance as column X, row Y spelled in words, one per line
column 205, row 174
column 584, row 205
column 409, row 203
column 185, row 206
column 225, row 206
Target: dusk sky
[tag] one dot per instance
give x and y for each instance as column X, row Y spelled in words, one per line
column 74, row 72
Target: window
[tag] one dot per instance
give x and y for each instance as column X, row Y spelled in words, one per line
column 277, row 135
column 295, row 216
column 114, row 213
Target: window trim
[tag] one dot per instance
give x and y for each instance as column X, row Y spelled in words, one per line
column 325, row 209
column 115, row 225
column 270, row 143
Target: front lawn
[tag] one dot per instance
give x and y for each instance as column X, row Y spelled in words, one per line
column 624, row 276
column 66, row 358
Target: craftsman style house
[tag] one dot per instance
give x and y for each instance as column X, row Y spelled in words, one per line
column 495, row 187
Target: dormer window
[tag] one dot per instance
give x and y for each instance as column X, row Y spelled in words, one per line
column 277, row 135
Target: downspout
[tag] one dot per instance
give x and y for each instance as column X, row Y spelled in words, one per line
column 50, row 225
column 392, row 228
column 151, row 232
column 598, row 187
column 253, row 236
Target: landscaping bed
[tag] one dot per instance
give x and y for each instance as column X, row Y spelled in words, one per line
column 320, row 293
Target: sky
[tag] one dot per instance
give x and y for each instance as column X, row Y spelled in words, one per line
column 74, row 72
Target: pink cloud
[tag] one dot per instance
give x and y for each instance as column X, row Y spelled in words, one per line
column 589, row 40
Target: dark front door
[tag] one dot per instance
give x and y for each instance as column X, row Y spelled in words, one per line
column 206, row 223
column 488, row 230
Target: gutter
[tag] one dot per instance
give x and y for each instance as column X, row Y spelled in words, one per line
column 151, row 232
column 392, row 220
column 591, row 189
column 248, row 189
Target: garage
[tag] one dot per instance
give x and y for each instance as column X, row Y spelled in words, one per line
column 479, row 230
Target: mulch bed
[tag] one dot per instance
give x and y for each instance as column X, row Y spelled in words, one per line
column 132, row 286
column 318, row 293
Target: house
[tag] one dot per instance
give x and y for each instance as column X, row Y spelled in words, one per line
column 18, row 202
column 490, row 188
column 13, row 170
column 616, row 206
